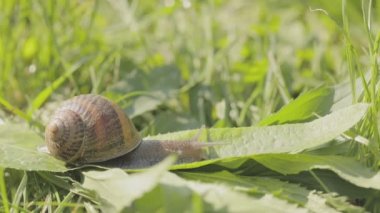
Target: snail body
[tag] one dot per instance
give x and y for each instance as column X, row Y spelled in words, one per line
column 150, row 152
column 91, row 129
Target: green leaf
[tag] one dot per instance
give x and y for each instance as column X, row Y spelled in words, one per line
column 343, row 94
column 142, row 92
column 347, row 168
column 18, row 150
column 177, row 122
column 288, row 138
column 118, row 190
column 317, row 101
column 170, row 198
column 295, row 138
column 218, row 197
column 143, row 104
column 256, row 185
column 175, row 194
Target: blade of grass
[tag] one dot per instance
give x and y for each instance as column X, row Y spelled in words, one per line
column 278, row 78
column 133, row 94
column 65, row 202
column 349, row 50
column 46, row 93
column 19, row 193
column 14, row 110
column 3, row 191
column 370, row 126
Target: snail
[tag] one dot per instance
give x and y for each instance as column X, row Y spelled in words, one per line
column 92, row 129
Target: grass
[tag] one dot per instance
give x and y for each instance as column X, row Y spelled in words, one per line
column 178, row 65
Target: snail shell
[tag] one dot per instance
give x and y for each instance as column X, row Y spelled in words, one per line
column 90, row 128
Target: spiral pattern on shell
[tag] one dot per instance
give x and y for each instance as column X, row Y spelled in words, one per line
column 90, row 128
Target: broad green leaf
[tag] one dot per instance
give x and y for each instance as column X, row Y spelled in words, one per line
column 254, row 184
column 118, row 190
column 146, row 103
column 18, row 150
column 258, row 185
column 317, row 101
column 343, row 92
column 343, row 95
column 142, row 92
column 218, row 197
column 295, row 138
column 347, row 168
column 178, row 121
column 287, row 138
column 170, row 198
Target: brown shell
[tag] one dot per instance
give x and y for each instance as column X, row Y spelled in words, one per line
column 90, row 128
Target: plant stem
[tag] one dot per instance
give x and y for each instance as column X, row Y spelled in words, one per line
column 3, row 191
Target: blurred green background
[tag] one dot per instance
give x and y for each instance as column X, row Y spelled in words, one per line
column 174, row 65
